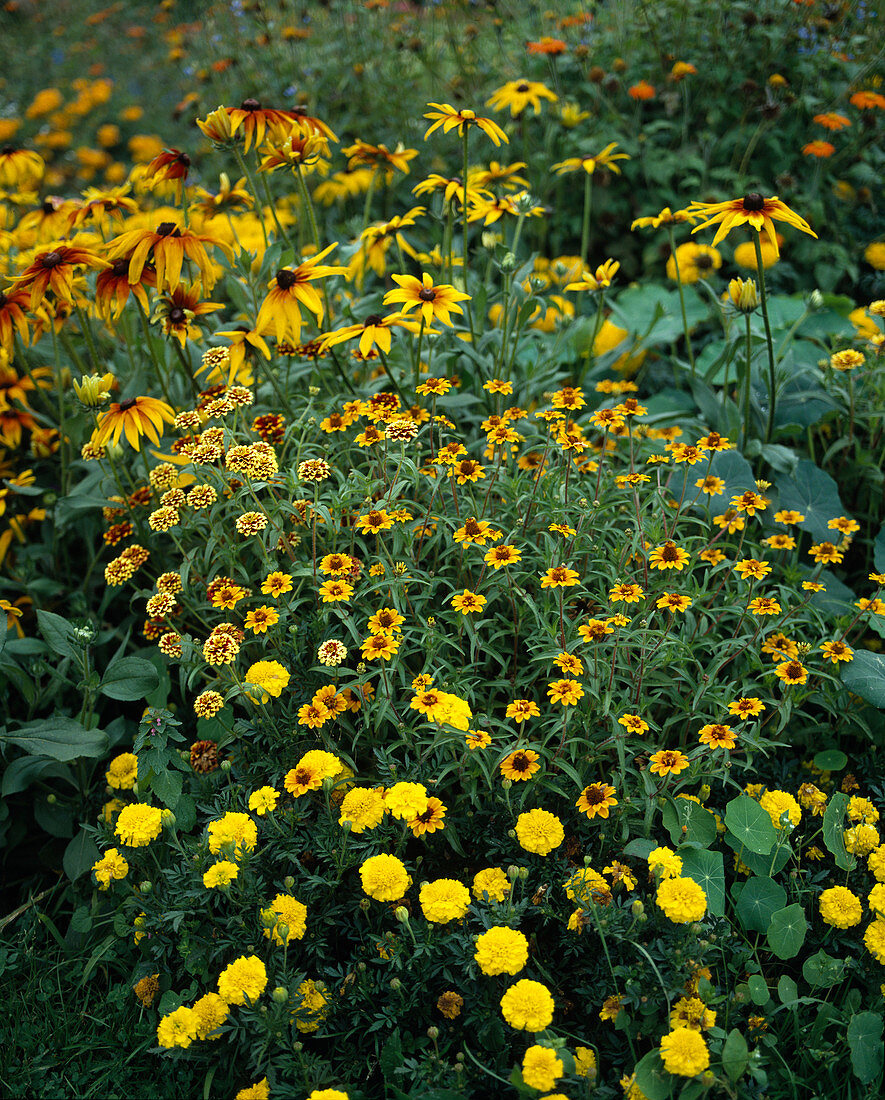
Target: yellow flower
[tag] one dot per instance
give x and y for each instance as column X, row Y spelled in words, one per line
column 406, row 800
column 312, row 1009
column 246, row 977
column 539, row 831
column 528, row 1006
column 778, row 803
column 384, row 878
column 684, row 1052
column 134, row 417
column 840, row 908
column 541, row 1068
column 220, row 875
column 443, row 900
column 122, row 772
column 284, row 911
column 270, row 677
column 490, row 884
column 177, row 1029
column 682, row 900
column 435, row 303
column 363, row 808
column 111, row 867
column 445, row 115
column 138, row 825
column 754, row 210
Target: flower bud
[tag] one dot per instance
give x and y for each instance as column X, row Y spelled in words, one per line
column 168, row 818
column 637, row 908
column 226, row 765
column 289, row 882
column 743, row 294
column 401, row 914
column 506, row 784
column 433, row 1033
column 94, row 390
column 145, row 887
column 395, row 984
column 513, row 872
column 280, row 995
column 298, row 1047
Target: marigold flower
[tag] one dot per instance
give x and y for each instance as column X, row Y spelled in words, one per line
column 177, row 1029
column 684, row 1052
column 110, row 868
column 443, row 900
column 284, row 911
column 681, row 900
column 528, row 1006
column 245, row 977
column 139, row 824
column 490, row 884
column 384, row 878
column 236, row 830
column 220, row 875
column 539, row 831
column 541, row 1068
column 840, row 908
column 363, row 808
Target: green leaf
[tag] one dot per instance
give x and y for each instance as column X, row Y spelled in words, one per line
column 685, row 821
column 766, row 865
column 54, row 817
column 865, row 676
column 735, row 1055
column 23, row 772
column 391, row 1058
column 758, row 989
column 786, row 931
column 822, row 970
column 865, row 1041
column 830, row 760
column 708, row 871
column 652, row 1078
column 879, row 551
column 59, row 634
column 57, row 737
column 832, row 829
column 129, row 678
column 80, row 855
column 640, row 848
column 787, row 990
column 813, row 493
column 167, row 787
column 759, row 899
column 750, row 824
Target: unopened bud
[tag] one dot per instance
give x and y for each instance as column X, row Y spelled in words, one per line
column 280, row 995
column 395, row 984
column 401, row 914
column 433, row 1033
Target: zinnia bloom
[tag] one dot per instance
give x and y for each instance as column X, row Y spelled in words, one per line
column 521, row 764
column 596, row 800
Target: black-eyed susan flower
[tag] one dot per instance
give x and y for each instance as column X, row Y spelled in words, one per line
column 520, row 94
column 597, row 280
column 754, row 210
column 290, row 289
column 446, row 116
column 373, row 332
column 135, row 417
column 55, row 270
column 169, row 243
column 434, row 302
column 589, row 163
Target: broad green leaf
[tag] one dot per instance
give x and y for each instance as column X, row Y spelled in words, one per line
column 786, row 931
column 54, row 817
column 766, row 865
column 707, row 870
column 22, row 772
column 735, row 1055
column 59, row 634
column 129, row 678
column 167, row 787
column 652, row 1078
column 734, row 470
column 865, row 1042
column 80, row 855
column 685, row 821
column 787, row 990
column 833, row 825
column 758, row 989
column 750, row 824
column 822, row 970
column 865, row 676
column 759, row 899
column 813, row 493
column 830, row 760
column 58, row 737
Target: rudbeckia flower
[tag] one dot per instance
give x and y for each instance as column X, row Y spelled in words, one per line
column 54, row 270
column 289, row 289
column 754, row 210
column 519, row 94
column 445, row 115
column 434, row 302
column 589, row 163
column 137, row 416
column 170, row 244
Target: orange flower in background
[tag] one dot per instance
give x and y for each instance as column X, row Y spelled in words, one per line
column 832, row 121
column 642, row 90
column 820, row 149
column 868, row 100
column 547, row 46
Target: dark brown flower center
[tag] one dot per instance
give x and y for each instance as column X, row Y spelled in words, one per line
column 753, row 201
column 522, row 87
column 8, row 150
column 427, row 294
column 168, row 229
column 129, row 403
column 3, row 300
column 703, row 262
column 177, row 315
column 250, row 105
column 286, row 279
column 51, row 259
column 120, row 268
column 373, row 319
column 594, row 796
column 521, row 762
column 669, row 553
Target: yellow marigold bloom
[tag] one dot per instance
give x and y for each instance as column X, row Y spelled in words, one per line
column 778, row 803
column 681, row 900
column 684, row 1052
column 246, row 977
column 260, row 1090
column 177, row 1029
column 861, row 840
column 665, row 862
column 521, row 764
column 691, row 1012
column 236, row 829
column 541, row 1068
column 122, row 772
column 111, row 867
column 220, row 875
column 443, row 900
column 490, row 884
column 139, row 824
column 270, row 677
column 539, row 831
column 874, row 938
column 754, row 210
column 584, row 885
column 585, row 1063
column 284, row 911
column 363, row 808
column 406, row 800
column 528, row 1006
column 211, row 1012
column 313, row 1005
column 840, row 908
column 384, row 878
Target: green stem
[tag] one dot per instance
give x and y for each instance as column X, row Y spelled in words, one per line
column 467, row 304
column 768, row 340
column 746, row 395
column 585, row 223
